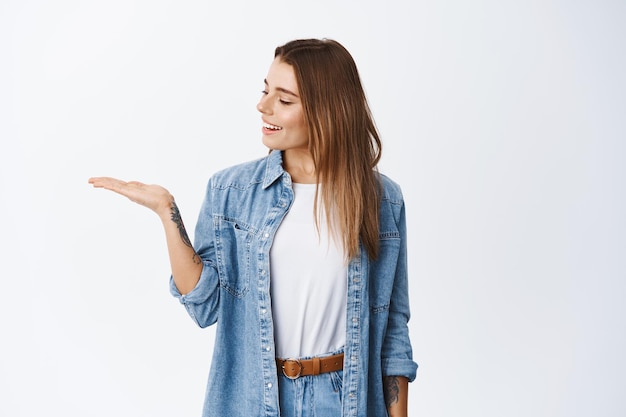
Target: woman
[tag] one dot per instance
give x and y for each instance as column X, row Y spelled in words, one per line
column 300, row 257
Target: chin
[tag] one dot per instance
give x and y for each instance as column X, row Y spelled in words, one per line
column 271, row 144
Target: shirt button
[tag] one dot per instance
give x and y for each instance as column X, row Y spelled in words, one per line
column 268, row 348
column 263, row 311
column 269, row 385
column 355, row 320
column 266, row 235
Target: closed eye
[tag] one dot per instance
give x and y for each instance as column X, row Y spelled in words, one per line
column 284, row 102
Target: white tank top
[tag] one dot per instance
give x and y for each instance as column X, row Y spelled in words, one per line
column 308, row 283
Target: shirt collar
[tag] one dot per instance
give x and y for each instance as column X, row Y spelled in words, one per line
column 273, row 168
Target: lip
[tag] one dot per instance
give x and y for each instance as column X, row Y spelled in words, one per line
column 267, row 130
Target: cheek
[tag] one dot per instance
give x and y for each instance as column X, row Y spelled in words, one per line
column 298, row 120
column 294, row 120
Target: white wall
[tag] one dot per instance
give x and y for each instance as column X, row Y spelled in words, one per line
column 502, row 120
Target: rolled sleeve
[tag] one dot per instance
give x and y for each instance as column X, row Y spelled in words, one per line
column 397, row 352
column 203, row 301
column 400, row 367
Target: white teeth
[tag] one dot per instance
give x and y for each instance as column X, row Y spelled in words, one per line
column 269, row 126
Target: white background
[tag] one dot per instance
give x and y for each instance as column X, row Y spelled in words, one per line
column 504, row 122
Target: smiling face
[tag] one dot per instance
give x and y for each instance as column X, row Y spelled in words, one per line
column 281, row 108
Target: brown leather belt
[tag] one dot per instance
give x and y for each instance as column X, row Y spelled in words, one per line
column 294, row 368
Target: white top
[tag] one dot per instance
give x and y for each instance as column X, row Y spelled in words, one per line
column 308, row 283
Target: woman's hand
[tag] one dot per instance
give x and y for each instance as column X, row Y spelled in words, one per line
column 185, row 262
column 154, row 197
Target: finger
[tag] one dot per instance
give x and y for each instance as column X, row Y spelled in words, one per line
column 106, row 182
column 117, row 186
column 97, row 181
column 94, row 180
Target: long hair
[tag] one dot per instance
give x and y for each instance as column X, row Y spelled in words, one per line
column 343, row 140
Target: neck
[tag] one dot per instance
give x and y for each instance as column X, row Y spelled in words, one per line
column 300, row 166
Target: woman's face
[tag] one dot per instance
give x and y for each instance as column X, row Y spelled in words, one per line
column 281, row 110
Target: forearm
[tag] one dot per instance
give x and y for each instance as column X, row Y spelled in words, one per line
column 185, row 263
column 396, row 390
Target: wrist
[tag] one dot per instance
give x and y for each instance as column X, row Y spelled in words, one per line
column 166, row 208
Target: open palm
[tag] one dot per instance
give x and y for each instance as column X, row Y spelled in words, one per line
column 152, row 196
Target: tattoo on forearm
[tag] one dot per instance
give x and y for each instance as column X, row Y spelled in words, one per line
column 391, row 390
column 176, row 218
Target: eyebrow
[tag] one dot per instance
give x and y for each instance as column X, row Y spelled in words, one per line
column 282, row 90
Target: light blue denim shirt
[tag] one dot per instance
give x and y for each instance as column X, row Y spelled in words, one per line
column 242, row 210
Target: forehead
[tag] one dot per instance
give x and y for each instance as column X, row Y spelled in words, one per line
column 282, row 75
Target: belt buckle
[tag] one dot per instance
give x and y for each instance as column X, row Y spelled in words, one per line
column 300, row 368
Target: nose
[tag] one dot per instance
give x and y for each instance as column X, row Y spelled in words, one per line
column 263, row 105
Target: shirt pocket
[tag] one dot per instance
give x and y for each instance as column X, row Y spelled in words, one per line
column 233, row 246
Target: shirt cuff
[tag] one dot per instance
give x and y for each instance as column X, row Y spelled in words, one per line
column 400, row 367
column 203, row 289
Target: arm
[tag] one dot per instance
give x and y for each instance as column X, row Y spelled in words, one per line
column 185, row 262
column 396, row 390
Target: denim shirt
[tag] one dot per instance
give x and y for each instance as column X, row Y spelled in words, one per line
column 243, row 208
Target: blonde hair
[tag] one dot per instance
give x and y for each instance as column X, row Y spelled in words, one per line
column 343, row 139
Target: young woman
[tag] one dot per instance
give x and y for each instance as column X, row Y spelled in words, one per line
column 300, row 256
